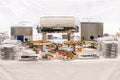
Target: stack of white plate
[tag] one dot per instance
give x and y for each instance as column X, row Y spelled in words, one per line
column 109, row 49
column 8, row 53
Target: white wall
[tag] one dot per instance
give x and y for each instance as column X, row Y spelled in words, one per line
column 12, row 12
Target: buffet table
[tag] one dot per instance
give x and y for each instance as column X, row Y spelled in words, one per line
column 89, row 69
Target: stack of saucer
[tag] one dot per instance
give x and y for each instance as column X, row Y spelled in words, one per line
column 109, row 49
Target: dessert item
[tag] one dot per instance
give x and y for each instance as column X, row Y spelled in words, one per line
column 54, row 45
column 66, row 55
column 51, row 46
column 79, row 49
column 59, row 45
column 73, row 42
column 47, row 57
column 52, row 51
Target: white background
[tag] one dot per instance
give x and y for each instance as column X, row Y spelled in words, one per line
column 15, row 11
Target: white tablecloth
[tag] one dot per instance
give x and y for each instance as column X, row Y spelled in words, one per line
column 97, row 69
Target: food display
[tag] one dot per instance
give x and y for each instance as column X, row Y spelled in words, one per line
column 40, row 42
column 91, row 44
column 66, row 55
column 69, row 50
column 37, row 44
column 117, row 34
column 73, row 42
column 47, row 57
column 54, row 45
column 52, row 50
column 59, row 45
column 51, row 46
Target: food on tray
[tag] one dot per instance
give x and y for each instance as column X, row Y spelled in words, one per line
column 86, row 42
column 59, row 45
column 66, row 55
column 54, row 45
column 91, row 44
column 41, row 42
column 52, row 51
column 47, row 57
column 117, row 34
column 51, row 46
column 73, row 42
